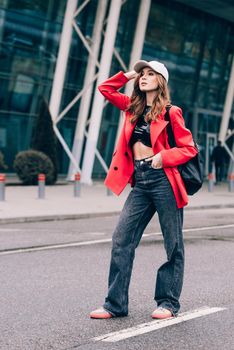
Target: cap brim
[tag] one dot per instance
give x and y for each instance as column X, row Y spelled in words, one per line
column 139, row 65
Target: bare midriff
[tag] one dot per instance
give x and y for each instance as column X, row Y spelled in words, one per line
column 140, row 151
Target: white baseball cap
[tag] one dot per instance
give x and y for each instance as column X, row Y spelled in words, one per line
column 158, row 67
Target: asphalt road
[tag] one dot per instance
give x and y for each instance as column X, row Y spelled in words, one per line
column 46, row 295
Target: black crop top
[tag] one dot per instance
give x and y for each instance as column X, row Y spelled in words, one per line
column 142, row 130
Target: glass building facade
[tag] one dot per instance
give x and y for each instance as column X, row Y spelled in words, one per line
column 196, row 47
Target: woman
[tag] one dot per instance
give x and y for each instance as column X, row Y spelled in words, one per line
column 143, row 157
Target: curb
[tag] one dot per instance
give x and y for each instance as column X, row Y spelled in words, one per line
column 40, row 218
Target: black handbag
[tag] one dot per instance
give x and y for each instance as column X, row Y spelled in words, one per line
column 192, row 172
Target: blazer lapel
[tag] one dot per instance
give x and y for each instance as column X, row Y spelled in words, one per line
column 129, row 129
column 156, row 128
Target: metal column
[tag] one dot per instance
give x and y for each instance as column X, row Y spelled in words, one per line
column 139, row 37
column 61, row 65
column 96, row 113
column 227, row 106
column 137, row 48
column 88, row 82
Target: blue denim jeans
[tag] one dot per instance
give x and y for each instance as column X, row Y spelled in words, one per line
column 152, row 193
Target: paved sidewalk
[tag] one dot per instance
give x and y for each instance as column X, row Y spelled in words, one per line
column 21, row 203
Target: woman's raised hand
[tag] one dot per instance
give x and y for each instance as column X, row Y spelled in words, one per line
column 131, row 74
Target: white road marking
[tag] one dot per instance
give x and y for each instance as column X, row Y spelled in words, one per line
column 155, row 325
column 98, row 241
column 205, row 228
column 55, row 246
column 195, row 229
column 97, row 233
column 10, row 229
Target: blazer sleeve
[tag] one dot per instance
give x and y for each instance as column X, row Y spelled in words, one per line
column 109, row 89
column 185, row 148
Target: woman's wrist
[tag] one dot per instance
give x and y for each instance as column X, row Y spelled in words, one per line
column 130, row 75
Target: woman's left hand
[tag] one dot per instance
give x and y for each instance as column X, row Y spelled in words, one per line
column 156, row 161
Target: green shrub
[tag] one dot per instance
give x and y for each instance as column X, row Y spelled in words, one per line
column 28, row 164
column 3, row 166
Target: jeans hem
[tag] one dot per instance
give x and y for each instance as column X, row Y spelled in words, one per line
column 114, row 314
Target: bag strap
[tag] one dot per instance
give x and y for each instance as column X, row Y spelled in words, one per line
column 171, row 137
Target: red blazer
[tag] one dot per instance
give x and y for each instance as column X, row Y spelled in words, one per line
column 122, row 166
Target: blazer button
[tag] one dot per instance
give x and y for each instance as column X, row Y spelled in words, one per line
column 126, row 153
column 115, row 168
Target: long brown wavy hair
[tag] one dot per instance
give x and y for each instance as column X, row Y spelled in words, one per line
column 138, row 100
